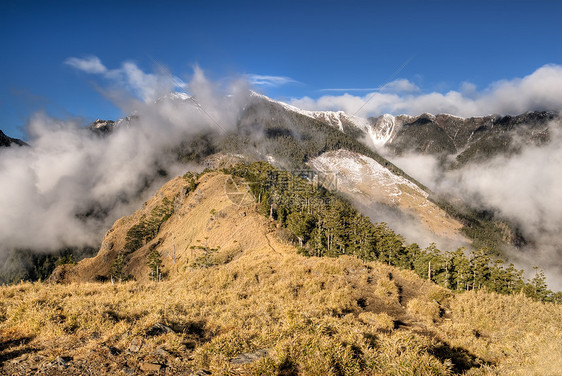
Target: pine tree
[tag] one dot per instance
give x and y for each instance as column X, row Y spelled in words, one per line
column 537, row 288
column 407, row 257
column 136, row 236
column 389, row 245
column 480, row 266
column 514, row 279
column 154, row 262
column 461, row 273
column 301, row 225
column 265, row 204
column 361, row 238
column 117, row 268
column 429, row 263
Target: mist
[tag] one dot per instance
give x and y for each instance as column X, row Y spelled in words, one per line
column 71, row 184
column 407, row 225
column 523, row 188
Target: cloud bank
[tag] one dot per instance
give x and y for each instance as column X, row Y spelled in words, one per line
column 70, row 185
column 541, row 90
column 523, row 188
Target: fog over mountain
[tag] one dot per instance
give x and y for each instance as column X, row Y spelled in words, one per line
column 522, row 186
column 72, row 183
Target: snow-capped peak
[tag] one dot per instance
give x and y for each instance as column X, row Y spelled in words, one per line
column 333, row 118
column 99, row 123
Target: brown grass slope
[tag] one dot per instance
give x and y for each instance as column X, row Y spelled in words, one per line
column 261, row 309
column 206, row 217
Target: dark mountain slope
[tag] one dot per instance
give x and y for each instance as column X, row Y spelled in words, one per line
column 6, row 141
column 268, row 128
column 469, row 139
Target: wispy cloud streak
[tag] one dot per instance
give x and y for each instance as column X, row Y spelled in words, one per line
column 270, row 81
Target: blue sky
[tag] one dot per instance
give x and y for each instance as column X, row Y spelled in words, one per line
column 430, row 47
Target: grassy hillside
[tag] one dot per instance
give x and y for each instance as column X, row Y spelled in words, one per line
column 267, row 129
column 311, row 316
column 236, row 298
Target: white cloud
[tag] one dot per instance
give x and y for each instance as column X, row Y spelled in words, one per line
column 270, row 81
column 46, row 189
column 146, row 86
column 90, row 64
column 524, row 188
column 400, row 86
column 541, row 90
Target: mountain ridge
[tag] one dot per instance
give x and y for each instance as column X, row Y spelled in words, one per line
column 270, row 130
column 468, row 139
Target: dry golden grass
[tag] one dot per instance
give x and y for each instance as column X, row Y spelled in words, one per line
column 311, row 316
column 304, row 311
column 428, row 311
column 521, row 336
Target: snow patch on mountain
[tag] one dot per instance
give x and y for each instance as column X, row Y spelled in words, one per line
column 379, row 130
column 174, row 96
column 383, row 131
column 99, row 123
column 355, row 169
column 179, row 96
column 373, row 188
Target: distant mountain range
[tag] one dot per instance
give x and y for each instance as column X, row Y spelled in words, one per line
column 456, row 140
column 468, row 140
